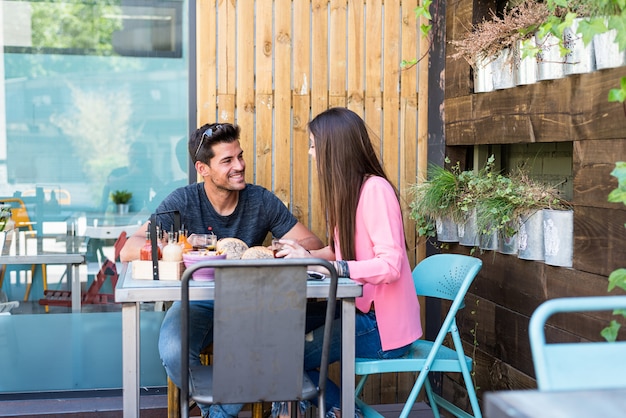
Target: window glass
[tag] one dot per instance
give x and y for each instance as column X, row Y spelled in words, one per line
column 94, row 101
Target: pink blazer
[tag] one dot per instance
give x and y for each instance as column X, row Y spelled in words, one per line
column 382, row 265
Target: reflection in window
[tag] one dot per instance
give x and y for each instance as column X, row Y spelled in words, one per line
column 96, row 27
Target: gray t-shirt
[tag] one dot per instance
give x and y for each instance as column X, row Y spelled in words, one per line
column 258, row 212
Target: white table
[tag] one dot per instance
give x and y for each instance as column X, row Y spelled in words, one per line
column 70, row 250
column 131, row 293
column 605, row 403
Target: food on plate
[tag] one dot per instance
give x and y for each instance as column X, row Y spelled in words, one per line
column 232, row 247
column 257, row 252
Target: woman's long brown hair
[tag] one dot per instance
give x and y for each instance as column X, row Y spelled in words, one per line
column 345, row 158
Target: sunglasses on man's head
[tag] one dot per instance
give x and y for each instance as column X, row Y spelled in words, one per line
column 208, row 133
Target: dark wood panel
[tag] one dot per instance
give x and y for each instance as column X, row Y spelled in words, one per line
column 567, row 109
column 599, row 237
column 593, row 162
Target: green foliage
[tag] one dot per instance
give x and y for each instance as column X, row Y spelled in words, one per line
column 499, row 200
column 121, row 197
column 5, row 215
column 423, row 10
column 75, row 25
column 619, row 95
column 618, row 277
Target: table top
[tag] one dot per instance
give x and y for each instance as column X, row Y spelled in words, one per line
column 605, row 403
column 133, row 290
column 26, row 247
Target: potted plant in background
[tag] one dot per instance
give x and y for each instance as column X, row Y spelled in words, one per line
column 121, row 198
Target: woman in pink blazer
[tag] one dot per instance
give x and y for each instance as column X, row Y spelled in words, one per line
column 367, row 243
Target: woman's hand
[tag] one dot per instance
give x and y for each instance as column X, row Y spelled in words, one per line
column 291, row 249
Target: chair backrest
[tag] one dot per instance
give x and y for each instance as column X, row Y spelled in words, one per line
column 107, row 270
column 119, row 244
column 577, row 365
column 446, row 276
column 19, row 213
column 262, row 308
column 259, row 329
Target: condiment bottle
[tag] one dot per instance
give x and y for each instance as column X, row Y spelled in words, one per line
column 146, row 251
column 172, row 251
column 183, row 242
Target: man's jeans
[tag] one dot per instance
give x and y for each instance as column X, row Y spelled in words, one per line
column 200, row 336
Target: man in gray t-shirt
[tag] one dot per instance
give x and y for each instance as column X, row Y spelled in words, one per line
column 229, row 207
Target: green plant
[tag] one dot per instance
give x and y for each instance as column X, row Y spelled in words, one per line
column 619, row 95
column 618, row 277
column 121, row 197
column 437, row 197
column 5, row 215
column 505, row 198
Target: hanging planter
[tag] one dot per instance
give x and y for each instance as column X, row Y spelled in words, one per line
column 558, row 233
column 502, row 70
column 606, row 51
column 447, row 229
column 530, row 237
column 489, row 241
column 508, row 244
column 526, row 68
column 581, row 58
column 550, row 63
column 468, row 231
column 483, row 75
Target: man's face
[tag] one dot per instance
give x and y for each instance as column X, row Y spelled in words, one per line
column 227, row 169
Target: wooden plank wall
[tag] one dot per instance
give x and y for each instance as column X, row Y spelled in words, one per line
column 270, row 66
column 495, row 323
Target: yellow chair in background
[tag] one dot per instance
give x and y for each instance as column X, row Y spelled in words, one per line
column 19, row 214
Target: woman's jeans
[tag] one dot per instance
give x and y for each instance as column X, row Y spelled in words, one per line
column 367, row 343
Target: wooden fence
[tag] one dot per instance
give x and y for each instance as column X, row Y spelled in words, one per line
column 270, row 66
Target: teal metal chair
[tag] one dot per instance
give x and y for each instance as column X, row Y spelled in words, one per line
column 447, row 277
column 577, row 365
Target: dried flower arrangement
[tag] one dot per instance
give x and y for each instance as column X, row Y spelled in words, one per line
column 491, row 36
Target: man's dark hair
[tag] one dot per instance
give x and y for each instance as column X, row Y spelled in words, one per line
column 202, row 140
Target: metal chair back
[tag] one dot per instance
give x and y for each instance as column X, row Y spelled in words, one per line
column 577, row 365
column 259, row 332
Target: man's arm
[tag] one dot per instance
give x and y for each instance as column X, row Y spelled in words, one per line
column 304, row 237
column 133, row 245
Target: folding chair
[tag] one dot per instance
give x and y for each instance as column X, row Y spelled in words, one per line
column 108, row 270
column 447, row 277
column 19, row 214
column 92, row 296
column 576, row 365
column 259, row 332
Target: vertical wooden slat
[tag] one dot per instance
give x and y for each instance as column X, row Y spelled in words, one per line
column 356, row 56
column 408, row 118
column 373, row 65
column 282, row 99
column 205, row 67
column 337, row 53
column 391, row 79
column 319, row 89
column 245, row 83
column 264, row 94
column 408, row 145
column 226, row 61
column 301, row 206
